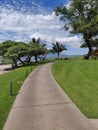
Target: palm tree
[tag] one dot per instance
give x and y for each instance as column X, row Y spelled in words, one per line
column 57, row 48
column 37, row 48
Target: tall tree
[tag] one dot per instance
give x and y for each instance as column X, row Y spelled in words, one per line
column 57, row 48
column 82, row 18
column 94, row 44
column 13, row 50
column 16, row 52
column 36, row 48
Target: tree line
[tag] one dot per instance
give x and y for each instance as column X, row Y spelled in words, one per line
column 81, row 18
column 23, row 52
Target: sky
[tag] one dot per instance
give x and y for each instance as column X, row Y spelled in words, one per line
column 24, row 19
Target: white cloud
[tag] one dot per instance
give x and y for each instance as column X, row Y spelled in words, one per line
column 24, row 22
column 68, row 4
column 19, row 26
column 74, row 41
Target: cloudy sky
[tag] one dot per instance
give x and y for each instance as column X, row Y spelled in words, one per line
column 21, row 20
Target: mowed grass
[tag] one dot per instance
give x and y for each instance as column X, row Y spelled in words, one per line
column 17, row 77
column 79, row 79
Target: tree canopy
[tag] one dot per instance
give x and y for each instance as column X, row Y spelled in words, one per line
column 57, row 48
column 22, row 52
column 36, row 48
column 4, row 46
column 13, row 50
column 81, row 17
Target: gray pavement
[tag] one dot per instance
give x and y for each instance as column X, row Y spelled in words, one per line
column 42, row 105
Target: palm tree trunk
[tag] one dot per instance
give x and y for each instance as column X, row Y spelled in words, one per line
column 58, row 55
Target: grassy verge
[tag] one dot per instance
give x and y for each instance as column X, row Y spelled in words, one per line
column 79, row 79
column 17, row 77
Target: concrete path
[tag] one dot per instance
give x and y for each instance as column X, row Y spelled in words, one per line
column 42, row 105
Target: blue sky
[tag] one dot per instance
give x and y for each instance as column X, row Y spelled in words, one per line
column 21, row 20
column 51, row 3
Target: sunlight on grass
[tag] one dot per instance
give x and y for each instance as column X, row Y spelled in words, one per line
column 17, row 77
column 79, row 79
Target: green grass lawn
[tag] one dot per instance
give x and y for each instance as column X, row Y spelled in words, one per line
column 79, row 79
column 17, row 77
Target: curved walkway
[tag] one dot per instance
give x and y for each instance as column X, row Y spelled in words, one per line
column 42, row 105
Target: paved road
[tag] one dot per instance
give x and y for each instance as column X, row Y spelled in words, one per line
column 42, row 105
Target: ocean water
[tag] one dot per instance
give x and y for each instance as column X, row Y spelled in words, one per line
column 50, row 56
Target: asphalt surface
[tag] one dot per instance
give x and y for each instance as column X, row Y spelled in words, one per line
column 42, row 105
